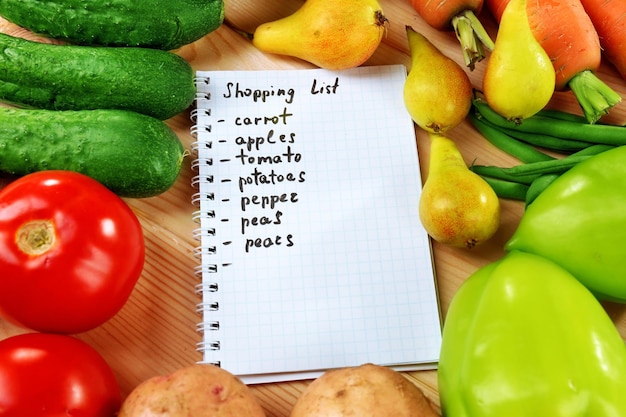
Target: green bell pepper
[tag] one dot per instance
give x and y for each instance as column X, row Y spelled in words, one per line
column 579, row 222
column 523, row 337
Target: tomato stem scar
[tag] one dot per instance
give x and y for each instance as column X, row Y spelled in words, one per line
column 35, row 237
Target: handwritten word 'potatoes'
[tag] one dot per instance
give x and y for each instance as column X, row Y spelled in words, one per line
column 257, row 178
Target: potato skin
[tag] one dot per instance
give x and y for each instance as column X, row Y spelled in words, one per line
column 366, row 390
column 196, row 390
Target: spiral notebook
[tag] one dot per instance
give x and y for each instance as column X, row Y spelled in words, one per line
column 311, row 252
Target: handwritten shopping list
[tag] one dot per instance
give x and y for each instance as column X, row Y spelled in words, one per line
column 312, row 253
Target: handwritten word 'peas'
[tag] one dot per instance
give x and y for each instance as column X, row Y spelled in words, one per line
column 247, row 222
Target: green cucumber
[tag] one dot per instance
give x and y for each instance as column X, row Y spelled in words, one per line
column 159, row 24
column 132, row 154
column 67, row 77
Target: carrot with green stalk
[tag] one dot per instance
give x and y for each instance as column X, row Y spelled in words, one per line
column 609, row 19
column 568, row 36
column 460, row 16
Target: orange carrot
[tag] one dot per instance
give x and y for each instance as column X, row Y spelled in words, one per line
column 609, row 19
column 460, row 16
column 568, row 36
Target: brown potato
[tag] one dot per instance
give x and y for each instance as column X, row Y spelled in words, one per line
column 197, row 390
column 366, row 390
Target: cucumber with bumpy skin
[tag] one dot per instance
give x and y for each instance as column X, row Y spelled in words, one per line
column 160, row 24
column 67, row 77
column 132, row 154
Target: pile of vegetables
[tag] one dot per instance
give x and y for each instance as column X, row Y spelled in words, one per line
column 95, row 103
column 81, row 127
column 534, row 55
column 570, row 39
column 572, row 33
column 71, row 252
column 569, row 138
column 89, row 129
column 528, row 334
column 541, row 302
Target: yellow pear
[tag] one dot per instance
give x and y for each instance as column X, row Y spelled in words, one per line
column 519, row 77
column 457, row 207
column 332, row 34
column 437, row 91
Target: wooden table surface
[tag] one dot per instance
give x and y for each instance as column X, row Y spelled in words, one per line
column 155, row 333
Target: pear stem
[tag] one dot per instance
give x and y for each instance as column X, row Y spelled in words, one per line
column 381, row 20
column 472, row 36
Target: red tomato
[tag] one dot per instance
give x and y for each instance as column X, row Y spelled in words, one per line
column 55, row 375
column 71, row 252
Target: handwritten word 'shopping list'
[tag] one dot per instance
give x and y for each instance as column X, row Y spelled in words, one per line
column 275, row 147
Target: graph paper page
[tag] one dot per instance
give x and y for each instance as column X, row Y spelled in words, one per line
column 313, row 255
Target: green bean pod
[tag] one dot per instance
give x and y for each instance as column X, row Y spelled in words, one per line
column 538, row 186
column 511, row 190
column 585, row 132
column 527, row 173
column 500, row 139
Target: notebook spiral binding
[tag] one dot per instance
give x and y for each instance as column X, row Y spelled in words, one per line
column 204, row 288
